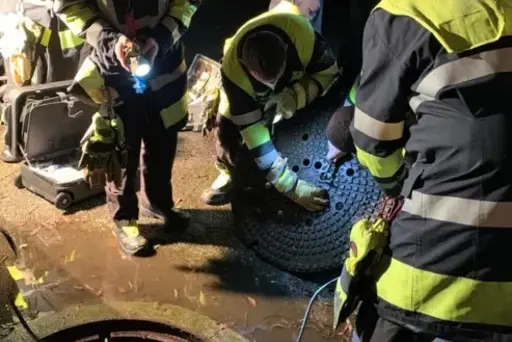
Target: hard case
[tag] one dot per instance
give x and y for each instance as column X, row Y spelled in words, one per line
column 51, row 131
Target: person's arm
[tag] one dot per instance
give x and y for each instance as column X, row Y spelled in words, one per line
column 174, row 24
column 247, row 115
column 391, row 64
column 83, row 19
column 321, row 72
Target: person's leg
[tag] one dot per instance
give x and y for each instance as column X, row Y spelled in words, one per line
column 227, row 144
column 122, row 200
column 157, row 159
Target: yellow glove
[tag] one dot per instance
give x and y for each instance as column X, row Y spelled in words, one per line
column 366, row 237
column 308, row 196
column 285, row 104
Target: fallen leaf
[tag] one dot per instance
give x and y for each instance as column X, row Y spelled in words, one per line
column 252, row 301
column 202, row 298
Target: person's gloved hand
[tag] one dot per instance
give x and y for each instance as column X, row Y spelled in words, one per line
column 121, row 47
column 98, row 145
column 150, row 49
column 308, row 196
column 304, row 194
column 285, row 104
column 333, row 154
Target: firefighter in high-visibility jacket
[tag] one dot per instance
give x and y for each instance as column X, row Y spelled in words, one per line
column 54, row 53
column 445, row 272
column 152, row 110
column 275, row 62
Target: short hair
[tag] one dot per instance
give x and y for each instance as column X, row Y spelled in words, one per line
column 264, row 53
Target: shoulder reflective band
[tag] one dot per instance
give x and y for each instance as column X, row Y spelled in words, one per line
column 462, row 70
column 76, row 17
column 376, row 129
column 467, row 212
column 182, row 10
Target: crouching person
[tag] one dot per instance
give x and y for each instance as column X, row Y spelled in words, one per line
column 276, row 63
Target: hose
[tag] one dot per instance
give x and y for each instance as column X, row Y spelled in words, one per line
column 308, row 309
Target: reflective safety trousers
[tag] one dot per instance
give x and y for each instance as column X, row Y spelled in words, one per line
column 447, row 270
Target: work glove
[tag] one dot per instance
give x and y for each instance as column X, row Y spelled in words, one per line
column 103, row 150
column 304, row 194
column 284, row 103
column 367, row 242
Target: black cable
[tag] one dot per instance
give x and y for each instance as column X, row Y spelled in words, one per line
column 23, row 322
column 308, row 309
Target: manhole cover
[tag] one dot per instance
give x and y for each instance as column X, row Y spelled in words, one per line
column 287, row 236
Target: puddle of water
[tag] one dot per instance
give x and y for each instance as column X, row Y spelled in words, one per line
column 87, row 268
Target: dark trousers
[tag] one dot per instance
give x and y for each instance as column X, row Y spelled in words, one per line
column 372, row 328
column 155, row 156
column 228, row 143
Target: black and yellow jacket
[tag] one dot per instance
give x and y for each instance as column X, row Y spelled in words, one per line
column 446, row 271
column 309, row 60
column 101, row 22
column 56, row 50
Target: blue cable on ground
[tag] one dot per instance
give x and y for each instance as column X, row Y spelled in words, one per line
column 308, row 309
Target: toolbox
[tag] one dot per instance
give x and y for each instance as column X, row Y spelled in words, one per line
column 52, row 127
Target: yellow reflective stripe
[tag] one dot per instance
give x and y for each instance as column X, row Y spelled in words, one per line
column 460, row 25
column 300, row 95
column 468, row 212
column 444, row 297
column 161, row 81
column 45, row 38
column 255, row 135
column 286, row 181
column 90, row 79
column 327, row 77
column 175, row 112
column 381, row 167
column 466, row 69
column 183, row 11
column 76, row 16
column 15, row 273
column 247, row 118
column 20, row 302
column 69, row 40
column 376, row 129
column 341, row 296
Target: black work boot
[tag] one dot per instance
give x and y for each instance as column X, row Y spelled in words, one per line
column 129, row 237
column 175, row 219
column 220, row 191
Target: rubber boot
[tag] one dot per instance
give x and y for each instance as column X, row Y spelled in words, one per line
column 220, row 191
column 175, row 219
column 128, row 235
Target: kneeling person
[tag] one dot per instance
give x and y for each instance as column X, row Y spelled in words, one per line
column 277, row 63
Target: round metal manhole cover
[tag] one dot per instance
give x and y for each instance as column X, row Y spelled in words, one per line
column 122, row 330
column 284, row 234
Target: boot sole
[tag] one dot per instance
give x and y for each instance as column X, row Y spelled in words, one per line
column 127, row 251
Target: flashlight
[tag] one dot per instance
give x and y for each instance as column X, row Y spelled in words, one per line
column 139, row 66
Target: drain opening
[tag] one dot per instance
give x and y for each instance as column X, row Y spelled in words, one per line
column 318, row 165
column 350, row 172
column 306, row 162
column 295, row 168
column 305, row 136
column 339, row 206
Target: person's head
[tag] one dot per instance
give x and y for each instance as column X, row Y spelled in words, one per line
column 264, row 56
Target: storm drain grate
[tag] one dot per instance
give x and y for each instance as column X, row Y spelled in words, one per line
column 287, row 236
